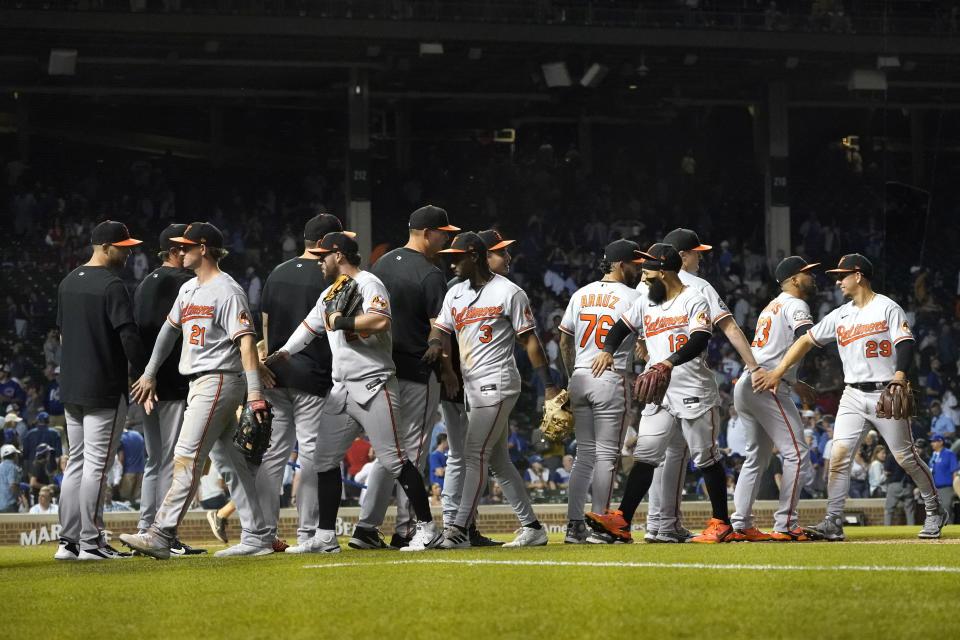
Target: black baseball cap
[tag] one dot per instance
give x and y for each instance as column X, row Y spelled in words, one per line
column 661, row 257
column 790, row 267
column 111, row 232
column 431, row 217
column 201, row 233
column 685, row 240
column 167, row 235
column 467, row 242
column 854, row 263
column 493, row 240
column 622, row 250
column 321, row 225
column 336, row 241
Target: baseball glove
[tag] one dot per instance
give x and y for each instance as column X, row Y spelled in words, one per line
column 652, row 384
column 896, row 402
column 252, row 438
column 343, row 297
column 557, row 422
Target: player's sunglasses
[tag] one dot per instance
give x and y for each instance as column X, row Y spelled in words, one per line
column 184, row 248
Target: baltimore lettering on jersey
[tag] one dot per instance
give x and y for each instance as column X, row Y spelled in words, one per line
column 653, row 326
column 607, row 300
column 196, row 311
column 845, row 336
column 475, row 314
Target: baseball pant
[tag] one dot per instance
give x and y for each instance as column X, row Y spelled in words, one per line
column 455, row 419
column 417, row 403
column 857, row 411
column 94, row 439
column 666, row 490
column 209, row 423
column 322, row 447
column 161, row 428
column 946, row 499
column 599, row 410
column 899, row 496
column 769, row 419
column 486, row 446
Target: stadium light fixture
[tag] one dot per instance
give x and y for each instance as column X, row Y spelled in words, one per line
column 888, row 62
column 556, row 74
column 431, row 49
column 63, row 62
column 594, row 75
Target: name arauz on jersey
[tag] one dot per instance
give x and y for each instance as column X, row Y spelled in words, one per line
column 607, row 300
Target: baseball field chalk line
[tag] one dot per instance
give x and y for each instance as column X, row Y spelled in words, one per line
column 643, row 565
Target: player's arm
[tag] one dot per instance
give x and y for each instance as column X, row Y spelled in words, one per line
column 768, row 380
column 368, row 323
column 568, row 352
column 531, row 344
column 266, row 375
column 437, row 355
column 739, row 341
column 311, row 327
column 251, row 363
column 904, row 351
column 144, row 390
column 615, row 337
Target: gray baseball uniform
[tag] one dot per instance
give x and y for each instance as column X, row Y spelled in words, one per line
column 487, row 322
column 599, row 404
column 865, row 339
column 771, row 418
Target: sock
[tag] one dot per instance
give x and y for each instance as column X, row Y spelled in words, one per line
column 638, row 483
column 716, row 481
column 412, row 483
column 535, row 525
column 329, row 486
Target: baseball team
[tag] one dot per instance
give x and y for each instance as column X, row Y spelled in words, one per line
column 417, row 344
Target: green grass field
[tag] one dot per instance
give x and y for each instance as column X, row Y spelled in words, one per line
column 882, row 582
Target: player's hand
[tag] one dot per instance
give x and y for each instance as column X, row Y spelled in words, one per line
column 807, row 393
column 144, row 391
column 266, row 376
column 331, row 318
column 551, row 392
column 451, row 384
column 276, row 356
column 763, row 380
column 253, row 397
column 432, row 355
column 601, row 363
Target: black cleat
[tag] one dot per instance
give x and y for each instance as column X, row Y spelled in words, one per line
column 364, row 538
column 477, row 539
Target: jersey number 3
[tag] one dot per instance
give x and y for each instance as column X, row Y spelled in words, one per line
column 196, row 335
column 599, row 326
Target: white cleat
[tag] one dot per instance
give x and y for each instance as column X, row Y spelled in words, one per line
column 321, row 542
column 148, row 544
column 455, row 538
column 529, row 537
column 243, row 550
column 428, row 536
column 67, row 551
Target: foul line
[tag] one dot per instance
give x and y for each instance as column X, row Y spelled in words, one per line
column 645, row 565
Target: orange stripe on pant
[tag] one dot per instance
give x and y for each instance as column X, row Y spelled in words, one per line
column 796, row 481
column 476, row 498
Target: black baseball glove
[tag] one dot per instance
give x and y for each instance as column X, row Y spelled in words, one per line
column 252, row 438
column 343, row 299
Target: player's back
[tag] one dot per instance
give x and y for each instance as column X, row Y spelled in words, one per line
column 591, row 313
column 776, row 327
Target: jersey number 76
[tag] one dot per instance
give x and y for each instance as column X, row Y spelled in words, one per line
column 599, row 326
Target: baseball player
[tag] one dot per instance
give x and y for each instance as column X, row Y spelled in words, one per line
column 663, row 514
column 219, row 356
column 876, row 347
column 364, row 383
column 416, row 287
column 151, row 302
column 599, row 404
column 99, row 336
column 675, row 324
column 772, row 419
column 452, row 404
column 297, row 389
column 488, row 313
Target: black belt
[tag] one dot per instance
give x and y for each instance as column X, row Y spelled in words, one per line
column 216, row 372
column 868, row 386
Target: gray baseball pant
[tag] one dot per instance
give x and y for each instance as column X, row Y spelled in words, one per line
column 899, row 497
column 666, row 490
column 455, row 419
column 94, row 436
column 161, row 428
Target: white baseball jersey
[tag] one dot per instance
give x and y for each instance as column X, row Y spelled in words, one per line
column 666, row 328
column 718, row 308
column 361, row 362
column 487, row 322
column 211, row 316
column 776, row 328
column 865, row 338
column 589, row 316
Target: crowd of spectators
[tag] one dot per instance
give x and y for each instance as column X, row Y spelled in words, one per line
column 568, row 215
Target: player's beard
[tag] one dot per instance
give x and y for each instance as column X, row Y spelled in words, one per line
column 656, row 291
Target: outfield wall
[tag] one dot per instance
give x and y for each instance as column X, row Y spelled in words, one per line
column 25, row 529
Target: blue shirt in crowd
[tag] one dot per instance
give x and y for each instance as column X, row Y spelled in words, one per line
column 438, row 459
column 942, row 425
column 131, row 443
column 9, row 475
column 41, row 433
column 943, row 464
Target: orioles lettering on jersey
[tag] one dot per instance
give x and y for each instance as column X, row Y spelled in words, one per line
column 473, row 314
column 652, row 326
column 845, row 336
column 192, row 311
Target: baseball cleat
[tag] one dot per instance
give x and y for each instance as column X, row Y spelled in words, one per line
column 428, row 536
column 67, row 550
column 180, row 549
column 794, row 535
column 243, row 550
column 576, row 532
column 147, row 543
column 105, row 552
column 716, row 531
column 218, row 525
column 321, row 542
column 650, row 536
column 603, row 537
column 678, row 535
column 455, row 538
column 831, row 529
column 364, row 538
column 529, row 537
column 398, row 541
column 934, row 523
column 611, row 522
column 477, row 539
column 752, row 534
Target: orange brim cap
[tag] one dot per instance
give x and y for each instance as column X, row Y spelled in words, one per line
column 129, row 242
column 703, row 247
column 501, row 245
column 182, row 240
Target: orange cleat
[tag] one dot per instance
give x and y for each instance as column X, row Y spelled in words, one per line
column 716, row 531
column 611, row 522
column 794, row 535
column 750, row 535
